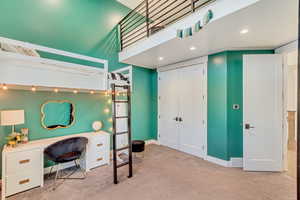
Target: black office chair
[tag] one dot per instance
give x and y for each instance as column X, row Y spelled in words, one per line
column 66, row 150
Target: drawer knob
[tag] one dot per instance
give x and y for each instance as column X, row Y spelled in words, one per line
column 99, row 145
column 24, row 181
column 99, row 159
column 24, row 161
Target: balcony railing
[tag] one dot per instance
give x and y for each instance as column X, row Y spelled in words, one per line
column 152, row 16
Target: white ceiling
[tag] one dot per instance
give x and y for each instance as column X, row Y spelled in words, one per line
column 130, row 3
column 271, row 23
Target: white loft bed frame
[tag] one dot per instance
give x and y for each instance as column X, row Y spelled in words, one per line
column 23, row 71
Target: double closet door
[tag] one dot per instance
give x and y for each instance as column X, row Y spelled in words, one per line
column 182, row 109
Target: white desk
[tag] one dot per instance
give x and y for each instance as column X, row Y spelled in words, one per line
column 23, row 166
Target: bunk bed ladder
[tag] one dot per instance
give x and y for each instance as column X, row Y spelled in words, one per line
column 115, row 133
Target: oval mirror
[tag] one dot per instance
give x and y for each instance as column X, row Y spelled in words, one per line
column 57, row 114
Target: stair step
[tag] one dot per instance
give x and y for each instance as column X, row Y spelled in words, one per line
column 122, row 86
column 122, row 164
column 121, row 133
column 120, row 101
column 123, row 148
column 121, row 117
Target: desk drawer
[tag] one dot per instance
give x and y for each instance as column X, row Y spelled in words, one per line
column 22, row 182
column 19, row 161
column 100, row 143
column 99, row 159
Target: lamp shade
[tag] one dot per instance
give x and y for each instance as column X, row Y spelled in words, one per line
column 11, row 117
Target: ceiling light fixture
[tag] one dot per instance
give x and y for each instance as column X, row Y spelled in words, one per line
column 75, row 91
column 92, row 92
column 244, row 31
column 160, row 58
column 192, row 48
column 56, row 90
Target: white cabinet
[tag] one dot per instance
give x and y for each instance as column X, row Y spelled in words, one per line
column 182, row 109
column 22, row 170
column 23, row 166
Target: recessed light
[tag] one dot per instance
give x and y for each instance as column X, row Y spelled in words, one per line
column 192, row 48
column 244, row 31
column 33, row 89
column 56, row 90
column 75, row 91
column 160, row 58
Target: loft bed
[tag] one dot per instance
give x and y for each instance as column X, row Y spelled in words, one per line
column 22, row 67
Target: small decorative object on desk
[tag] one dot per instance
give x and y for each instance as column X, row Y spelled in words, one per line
column 97, row 125
column 14, row 139
column 25, row 132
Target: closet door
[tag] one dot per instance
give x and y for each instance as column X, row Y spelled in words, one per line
column 191, row 110
column 168, row 106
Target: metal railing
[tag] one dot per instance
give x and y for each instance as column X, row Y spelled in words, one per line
column 152, row 16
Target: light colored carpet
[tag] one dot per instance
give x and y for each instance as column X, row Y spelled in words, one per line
column 166, row 174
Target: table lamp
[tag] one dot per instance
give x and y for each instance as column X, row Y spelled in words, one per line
column 12, row 118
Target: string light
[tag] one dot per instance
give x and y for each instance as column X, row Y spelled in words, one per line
column 106, row 110
column 4, row 87
column 109, row 101
column 75, row 91
column 110, row 120
column 56, row 90
column 110, row 129
column 33, row 89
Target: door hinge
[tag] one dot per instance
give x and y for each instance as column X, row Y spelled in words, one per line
column 203, row 122
column 203, row 71
column 159, row 78
column 159, row 97
column 203, row 147
column 158, row 116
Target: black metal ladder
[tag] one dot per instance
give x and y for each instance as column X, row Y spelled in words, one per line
column 115, row 133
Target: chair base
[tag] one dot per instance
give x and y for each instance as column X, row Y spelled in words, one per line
column 58, row 173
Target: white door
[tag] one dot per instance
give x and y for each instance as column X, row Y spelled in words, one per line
column 182, row 110
column 263, row 112
column 168, row 103
column 191, row 110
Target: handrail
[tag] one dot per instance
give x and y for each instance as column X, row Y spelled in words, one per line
column 151, row 16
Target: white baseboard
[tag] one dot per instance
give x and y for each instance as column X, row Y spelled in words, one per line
column 218, row 161
column 236, row 162
column 63, row 166
column 151, row 142
column 233, row 162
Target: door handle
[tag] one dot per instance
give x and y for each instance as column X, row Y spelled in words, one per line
column 176, row 119
column 180, row 119
column 248, row 126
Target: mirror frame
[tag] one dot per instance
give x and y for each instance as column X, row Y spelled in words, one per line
column 44, row 115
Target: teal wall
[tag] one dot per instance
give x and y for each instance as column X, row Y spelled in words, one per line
column 225, row 88
column 217, row 137
column 144, row 101
column 87, row 27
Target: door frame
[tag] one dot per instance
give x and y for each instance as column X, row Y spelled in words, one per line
column 284, row 51
column 201, row 60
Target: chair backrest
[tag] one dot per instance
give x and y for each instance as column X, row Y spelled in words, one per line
column 75, row 144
